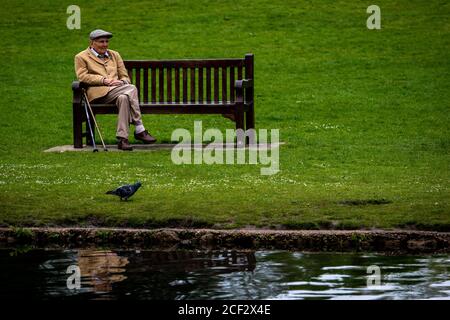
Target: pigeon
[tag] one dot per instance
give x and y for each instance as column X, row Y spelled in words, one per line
column 126, row 191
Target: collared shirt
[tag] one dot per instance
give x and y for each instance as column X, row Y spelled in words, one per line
column 98, row 55
column 106, row 55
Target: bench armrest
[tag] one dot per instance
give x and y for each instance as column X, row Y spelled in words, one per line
column 244, row 83
column 78, row 85
column 241, row 86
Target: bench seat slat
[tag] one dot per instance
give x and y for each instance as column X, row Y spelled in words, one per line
column 173, row 108
column 169, row 104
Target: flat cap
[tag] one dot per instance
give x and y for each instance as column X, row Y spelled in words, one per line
column 99, row 33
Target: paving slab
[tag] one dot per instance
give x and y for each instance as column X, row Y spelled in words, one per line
column 165, row 146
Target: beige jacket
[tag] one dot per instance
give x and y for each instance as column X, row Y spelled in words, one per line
column 93, row 70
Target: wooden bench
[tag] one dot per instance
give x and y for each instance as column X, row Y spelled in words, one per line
column 194, row 86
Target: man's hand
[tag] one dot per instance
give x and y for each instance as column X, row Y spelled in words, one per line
column 116, row 83
column 112, row 82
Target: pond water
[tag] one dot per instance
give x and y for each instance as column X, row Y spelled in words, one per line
column 144, row 274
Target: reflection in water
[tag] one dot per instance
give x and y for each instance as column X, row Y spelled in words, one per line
column 130, row 274
column 100, row 269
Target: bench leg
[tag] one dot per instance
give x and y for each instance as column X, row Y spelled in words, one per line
column 240, row 124
column 77, row 126
column 250, row 120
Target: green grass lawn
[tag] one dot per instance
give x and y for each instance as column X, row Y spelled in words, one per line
column 364, row 115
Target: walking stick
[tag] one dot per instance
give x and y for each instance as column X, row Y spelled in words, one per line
column 90, row 128
column 95, row 122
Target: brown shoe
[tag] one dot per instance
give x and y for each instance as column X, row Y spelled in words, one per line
column 124, row 145
column 145, row 137
column 229, row 116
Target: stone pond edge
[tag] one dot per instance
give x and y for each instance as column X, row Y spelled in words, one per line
column 390, row 241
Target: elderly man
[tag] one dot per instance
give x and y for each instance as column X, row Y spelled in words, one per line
column 104, row 71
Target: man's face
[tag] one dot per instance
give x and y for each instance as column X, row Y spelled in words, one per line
column 100, row 45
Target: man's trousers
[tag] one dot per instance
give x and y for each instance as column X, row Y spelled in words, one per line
column 126, row 99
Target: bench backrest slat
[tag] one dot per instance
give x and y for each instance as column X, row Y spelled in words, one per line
column 153, row 90
column 183, row 63
column 192, row 94
column 177, row 85
column 232, row 84
column 169, row 84
column 224, row 84
column 193, row 81
column 185, row 84
column 138, row 81
column 216, row 84
column 161, row 85
column 200, row 85
column 145, row 85
column 208, row 84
